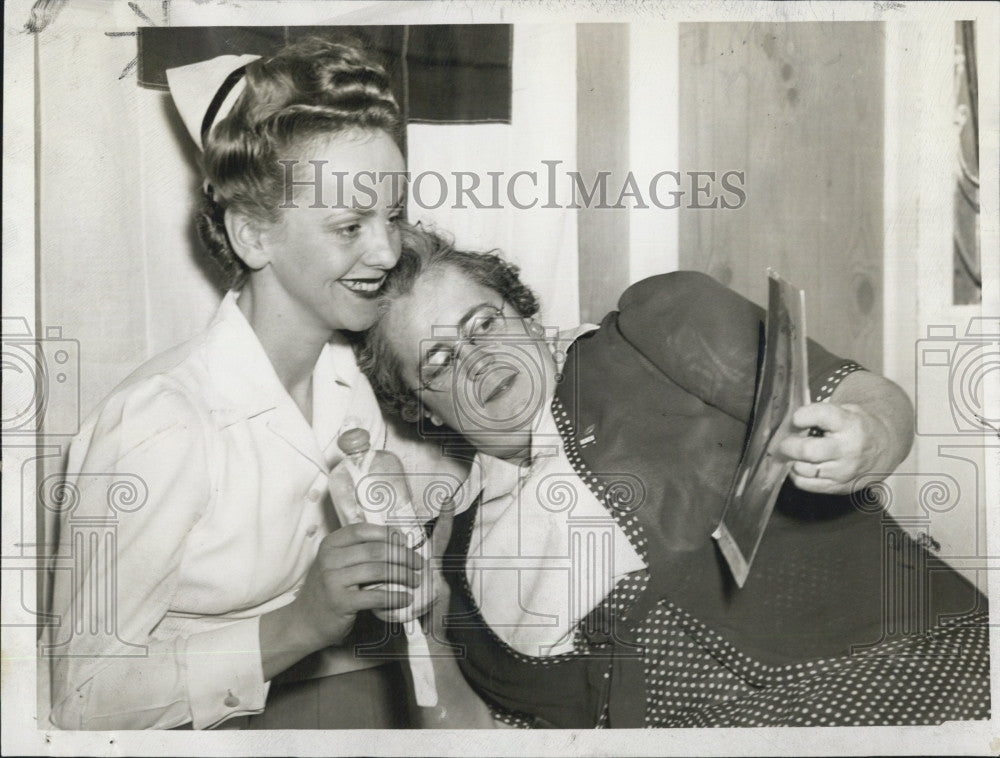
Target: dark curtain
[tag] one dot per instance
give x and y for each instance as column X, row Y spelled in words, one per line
column 968, row 264
column 458, row 73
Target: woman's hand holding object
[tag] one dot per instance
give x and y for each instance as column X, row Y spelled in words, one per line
column 336, row 587
column 335, row 590
column 854, row 443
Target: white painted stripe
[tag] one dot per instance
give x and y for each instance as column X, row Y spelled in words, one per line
column 654, row 99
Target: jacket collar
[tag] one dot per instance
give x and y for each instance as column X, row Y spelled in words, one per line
column 248, row 387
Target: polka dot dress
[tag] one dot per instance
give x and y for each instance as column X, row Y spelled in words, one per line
column 695, row 678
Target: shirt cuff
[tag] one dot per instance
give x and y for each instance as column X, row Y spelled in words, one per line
column 225, row 677
column 825, row 388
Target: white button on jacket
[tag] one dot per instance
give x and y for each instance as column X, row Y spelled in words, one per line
column 222, row 529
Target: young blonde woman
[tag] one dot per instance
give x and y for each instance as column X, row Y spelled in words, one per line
column 232, row 569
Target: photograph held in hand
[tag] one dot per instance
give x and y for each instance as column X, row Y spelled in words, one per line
column 782, row 388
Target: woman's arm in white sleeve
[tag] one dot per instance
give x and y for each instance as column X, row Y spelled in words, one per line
column 107, row 670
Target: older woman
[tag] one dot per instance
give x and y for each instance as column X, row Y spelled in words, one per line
column 589, row 591
column 233, row 569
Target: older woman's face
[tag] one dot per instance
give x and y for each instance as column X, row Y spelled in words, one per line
column 329, row 254
column 472, row 361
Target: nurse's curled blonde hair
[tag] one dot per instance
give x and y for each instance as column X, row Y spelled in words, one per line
column 311, row 88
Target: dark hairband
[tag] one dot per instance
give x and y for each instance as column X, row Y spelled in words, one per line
column 220, row 96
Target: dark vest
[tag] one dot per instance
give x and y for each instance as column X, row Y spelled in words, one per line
column 665, row 389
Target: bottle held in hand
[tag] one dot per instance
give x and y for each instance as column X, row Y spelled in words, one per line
column 370, row 485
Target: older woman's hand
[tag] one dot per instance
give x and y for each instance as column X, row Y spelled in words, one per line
column 853, row 442
column 867, row 431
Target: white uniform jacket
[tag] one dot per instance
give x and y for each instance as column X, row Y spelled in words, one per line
column 193, row 505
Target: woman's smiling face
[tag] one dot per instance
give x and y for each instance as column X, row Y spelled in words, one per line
column 473, row 362
column 329, row 254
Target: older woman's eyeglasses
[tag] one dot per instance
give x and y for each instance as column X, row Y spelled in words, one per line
column 439, row 362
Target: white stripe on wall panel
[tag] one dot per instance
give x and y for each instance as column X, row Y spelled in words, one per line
column 542, row 241
column 654, row 98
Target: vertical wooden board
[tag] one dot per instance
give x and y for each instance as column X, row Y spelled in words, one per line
column 602, row 146
column 799, row 108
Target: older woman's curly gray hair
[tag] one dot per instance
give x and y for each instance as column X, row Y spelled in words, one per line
column 423, row 251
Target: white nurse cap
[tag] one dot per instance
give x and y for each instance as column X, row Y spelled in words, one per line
column 205, row 92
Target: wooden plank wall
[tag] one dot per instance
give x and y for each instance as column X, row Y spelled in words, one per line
column 602, row 65
column 799, row 108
